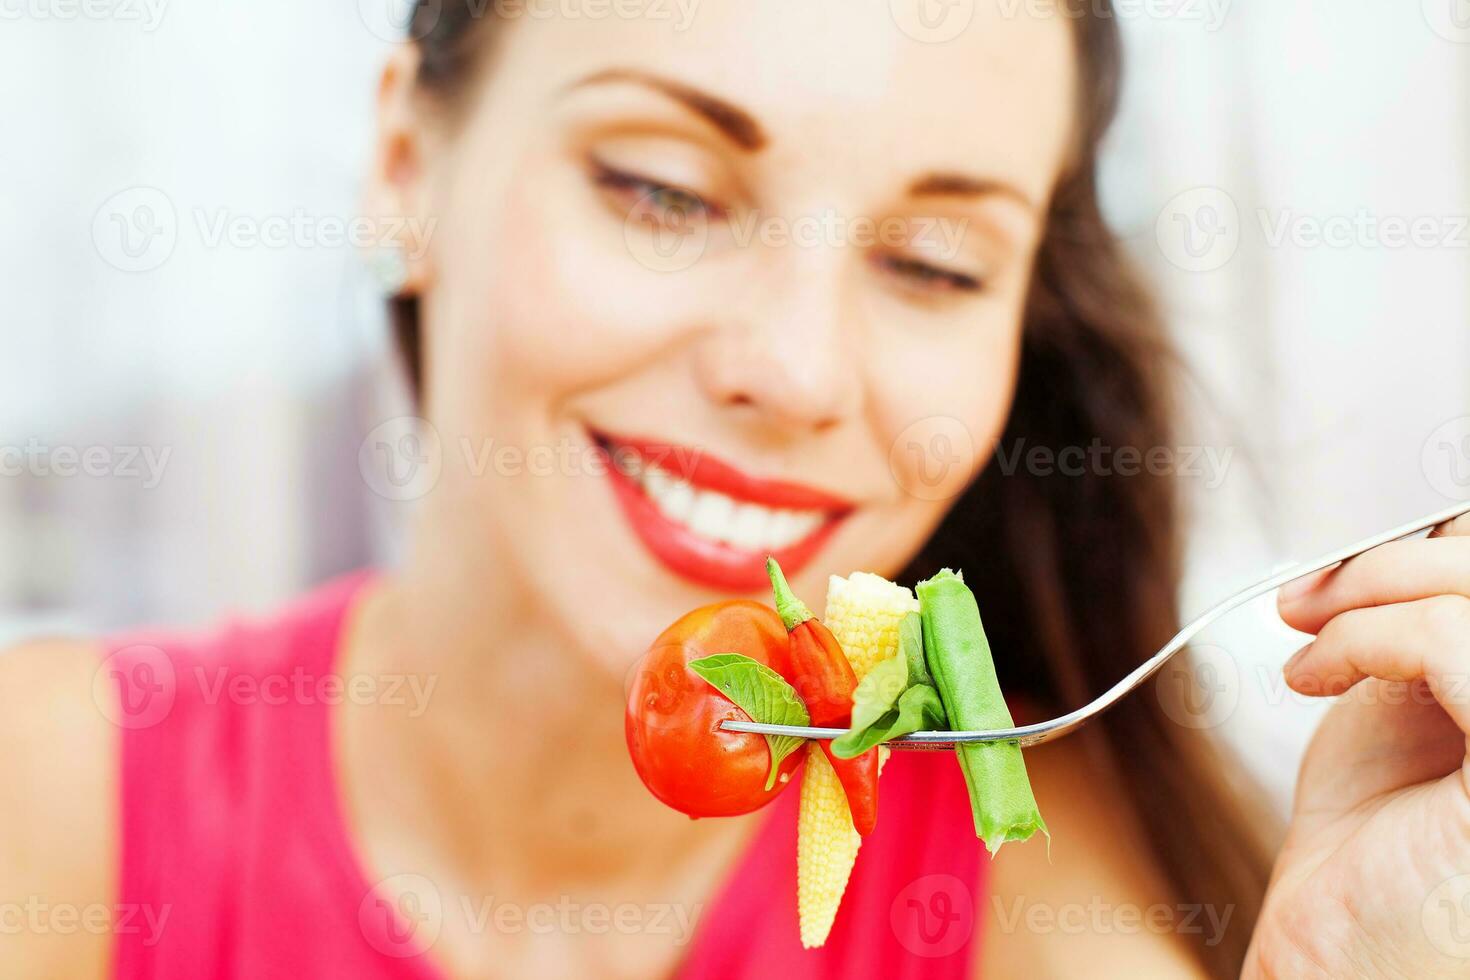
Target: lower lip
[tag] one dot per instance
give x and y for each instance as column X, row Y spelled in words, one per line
column 701, row 560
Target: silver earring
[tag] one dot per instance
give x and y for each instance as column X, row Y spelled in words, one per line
column 389, row 268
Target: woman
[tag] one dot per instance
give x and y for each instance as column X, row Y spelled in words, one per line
column 461, row 804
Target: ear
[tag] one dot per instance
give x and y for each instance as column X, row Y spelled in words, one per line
column 397, row 196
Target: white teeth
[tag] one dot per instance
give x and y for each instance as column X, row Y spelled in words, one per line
column 713, row 515
column 806, row 523
column 678, row 502
column 718, row 517
column 749, row 529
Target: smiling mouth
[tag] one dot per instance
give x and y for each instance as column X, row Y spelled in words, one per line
column 712, row 523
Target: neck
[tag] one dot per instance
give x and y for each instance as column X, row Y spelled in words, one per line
column 510, row 767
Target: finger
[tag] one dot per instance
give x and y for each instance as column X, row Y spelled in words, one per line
column 1426, row 639
column 1459, row 527
column 1399, row 572
column 1382, row 736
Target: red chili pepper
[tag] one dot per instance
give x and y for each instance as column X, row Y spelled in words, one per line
column 824, row 679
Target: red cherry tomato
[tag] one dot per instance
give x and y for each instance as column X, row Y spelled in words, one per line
column 673, row 715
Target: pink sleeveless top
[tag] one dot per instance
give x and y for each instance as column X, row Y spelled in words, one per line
column 236, row 860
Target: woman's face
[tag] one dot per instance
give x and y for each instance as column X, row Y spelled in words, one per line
column 773, row 259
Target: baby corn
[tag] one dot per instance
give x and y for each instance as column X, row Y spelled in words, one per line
column 863, row 613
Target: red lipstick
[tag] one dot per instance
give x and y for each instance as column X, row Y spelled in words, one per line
column 701, row 557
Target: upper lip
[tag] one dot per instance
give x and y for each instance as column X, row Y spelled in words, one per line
column 702, row 469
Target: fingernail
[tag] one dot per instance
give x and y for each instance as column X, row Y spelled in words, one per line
column 1295, row 589
column 1296, row 658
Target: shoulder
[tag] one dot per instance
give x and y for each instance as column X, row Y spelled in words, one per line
column 58, row 808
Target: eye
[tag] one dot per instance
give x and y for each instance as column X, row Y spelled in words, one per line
column 645, row 197
column 927, row 277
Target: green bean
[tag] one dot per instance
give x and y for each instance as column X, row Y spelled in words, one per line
column 958, row 655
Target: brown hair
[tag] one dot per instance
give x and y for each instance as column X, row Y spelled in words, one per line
column 1076, row 574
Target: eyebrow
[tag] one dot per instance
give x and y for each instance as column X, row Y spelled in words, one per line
column 942, row 184
column 735, row 123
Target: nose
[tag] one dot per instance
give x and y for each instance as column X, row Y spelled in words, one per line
column 789, row 351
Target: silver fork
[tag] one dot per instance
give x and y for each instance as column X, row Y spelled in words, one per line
column 1046, row 731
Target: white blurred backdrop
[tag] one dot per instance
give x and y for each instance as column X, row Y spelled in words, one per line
column 183, row 394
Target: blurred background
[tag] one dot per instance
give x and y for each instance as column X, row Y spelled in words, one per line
column 194, row 350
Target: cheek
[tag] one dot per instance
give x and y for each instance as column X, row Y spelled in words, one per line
column 548, row 297
column 943, row 404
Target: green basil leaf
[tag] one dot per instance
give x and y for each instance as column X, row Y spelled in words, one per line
column 879, row 691
column 911, row 645
column 761, row 693
column 919, row 709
